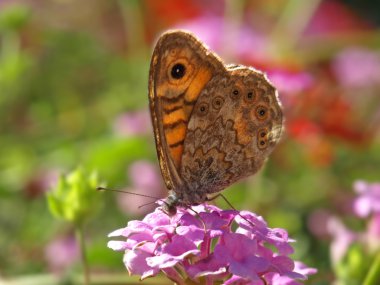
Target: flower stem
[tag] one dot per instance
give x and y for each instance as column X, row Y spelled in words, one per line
column 373, row 275
column 173, row 275
column 80, row 240
column 292, row 23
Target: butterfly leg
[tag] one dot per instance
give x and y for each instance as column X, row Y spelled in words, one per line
column 224, row 198
column 199, row 217
column 229, row 204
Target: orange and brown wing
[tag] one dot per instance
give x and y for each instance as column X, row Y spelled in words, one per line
column 235, row 125
column 180, row 68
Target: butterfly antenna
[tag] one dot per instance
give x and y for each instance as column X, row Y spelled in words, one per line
column 100, row 188
column 146, row 204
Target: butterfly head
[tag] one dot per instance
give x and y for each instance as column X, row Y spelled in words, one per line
column 170, row 204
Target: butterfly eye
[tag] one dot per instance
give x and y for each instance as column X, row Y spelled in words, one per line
column 235, row 93
column 217, row 103
column 203, row 109
column 262, row 134
column 261, row 112
column 250, row 96
column 178, row 71
column 262, row 138
column 262, row 144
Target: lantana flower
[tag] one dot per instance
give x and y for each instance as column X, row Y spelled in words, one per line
column 208, row 245
column 354, row 252
column 367, row 205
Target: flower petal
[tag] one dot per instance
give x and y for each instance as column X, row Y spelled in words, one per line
column 117, row 245
column 135, row 261
column 206, row 267
column 166, row 260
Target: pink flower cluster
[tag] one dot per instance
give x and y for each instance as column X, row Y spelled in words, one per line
column 366, row 206
column 208, row 245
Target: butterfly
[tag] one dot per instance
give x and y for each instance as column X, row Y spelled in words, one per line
column 214, row 124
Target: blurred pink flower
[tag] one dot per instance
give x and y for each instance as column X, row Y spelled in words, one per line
column 317, row 223
column 229, row 39
column 299, row 267
column 61, row 253
column 367, row 204
column 219, row 245
column 242, row 43
column 290, row 82
column 144, row 174
column 342, row 239
column 144, row 179
column 372, row 235
column 208, row 29
column 374, row 227
column 132, row 124
column 333, row 17
column 368, row 200
column 357, row 67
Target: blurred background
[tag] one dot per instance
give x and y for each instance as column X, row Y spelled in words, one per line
column 73, row 92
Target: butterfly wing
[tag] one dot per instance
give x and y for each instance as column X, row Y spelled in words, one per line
column 235, row 124
column 180, row 68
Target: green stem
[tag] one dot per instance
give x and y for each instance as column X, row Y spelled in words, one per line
column 82, row 247
column 131, row 12
column 373, row 275
column 233, row 20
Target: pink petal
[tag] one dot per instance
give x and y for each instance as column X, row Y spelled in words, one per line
column 283, row 264
column 166, row 260
column 237, row 280
column 135, row 261
column 157, row 218
column 303, row 269
column 191, row 233
column 362, row 206
column 117, row 245
column 206, row 267
column 189, row 220
column 239, row 246
column 116, row 233
column 179, row 245
column 249, row 267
